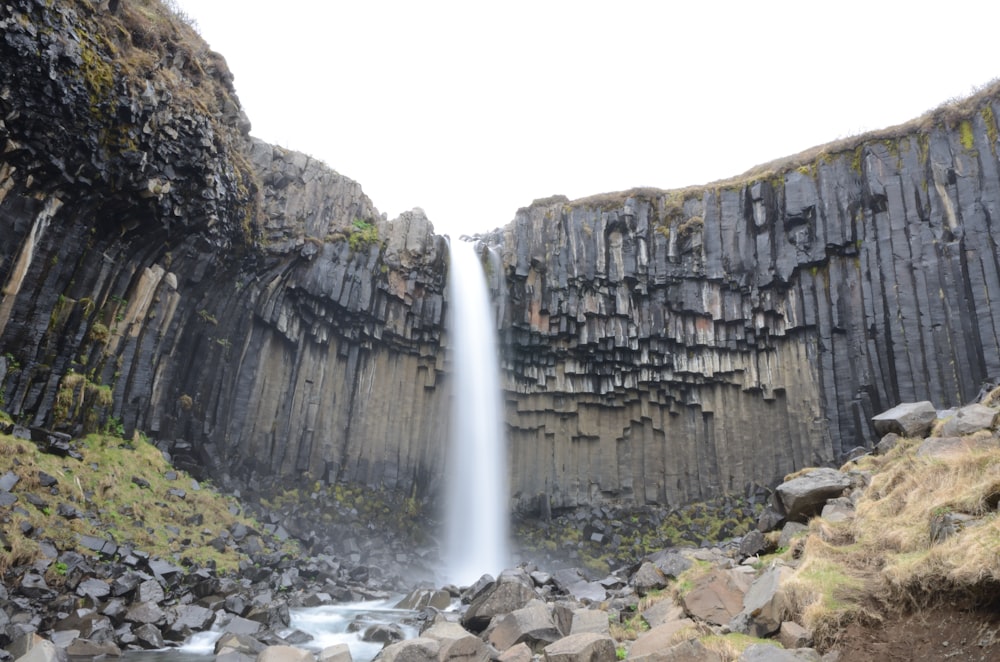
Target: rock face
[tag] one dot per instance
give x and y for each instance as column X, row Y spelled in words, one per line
column 249, row 307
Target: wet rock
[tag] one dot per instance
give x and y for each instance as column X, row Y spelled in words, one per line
column 240, row 643
column 187, row 620
column 383, row 633
column 149, row 636
column 85, row 648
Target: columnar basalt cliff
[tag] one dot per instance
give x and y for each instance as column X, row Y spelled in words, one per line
column 250, row 308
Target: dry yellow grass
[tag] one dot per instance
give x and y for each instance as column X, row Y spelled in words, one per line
column 885, row 558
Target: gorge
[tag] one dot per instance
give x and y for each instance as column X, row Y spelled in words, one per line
column 248, row 307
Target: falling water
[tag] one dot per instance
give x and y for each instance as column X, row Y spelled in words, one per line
column 476, row 511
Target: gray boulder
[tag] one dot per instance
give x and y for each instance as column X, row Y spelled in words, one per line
column 716, row 597
column 335, row 653
column 32, row 648
column 532, row 625
column 658, row 638
column 589, row 620
column 968, row 420
column 421, row 649
column 87, row 648
column 648, row 578
column 690, row 650
column 503, row 597
column 456, row 643
column 764, row 605
column 583, row 647
column 519, row 653
column 943, row 447
column 284, row 654
column 773, row 653
column 909, row 419
column 664, row 611
column 804, row 496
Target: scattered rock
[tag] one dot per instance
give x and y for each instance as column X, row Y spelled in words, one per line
column 804, row 496
column 909, row 419
column 968, row 420
column 583, row 647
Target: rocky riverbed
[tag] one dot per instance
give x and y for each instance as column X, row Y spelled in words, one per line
column 789, row 588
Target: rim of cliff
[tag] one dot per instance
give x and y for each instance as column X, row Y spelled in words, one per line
column 135, row 81
column 950, row 114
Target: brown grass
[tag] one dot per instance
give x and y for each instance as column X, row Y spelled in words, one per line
column 884, row 559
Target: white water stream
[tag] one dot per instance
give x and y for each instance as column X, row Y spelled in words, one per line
column 477, row 514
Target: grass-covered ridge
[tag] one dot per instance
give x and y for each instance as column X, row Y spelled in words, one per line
column 891, row 556
column 123, row 491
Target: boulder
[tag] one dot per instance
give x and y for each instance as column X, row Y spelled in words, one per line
column 789, row 531
column 715, row 598
column 587, row 591
column 86, row 648
column 909, row 419
column 774, row 653
column 421, row 649
column 188, row 619
column 943, row 447
column 284, row 654
column 804, row 496
column 583, row 647
column 670, row 562
column 518, row 653
column 240, row 643
column 752, row 544
column 456, row 643
column 887, row 443
column 648, row 578
column 35, row 649
column 146, row 612
column 690, row 650
column 503, row 597
column 335, row 653
column 383, row 633
column 148, row 636
column 664, row 611
column 658, row 638
column 968, row 420
column 792, row 635
column 838, row 510
column 532, row 625
column 589, row 620
column 424, row 597
column 764, row 605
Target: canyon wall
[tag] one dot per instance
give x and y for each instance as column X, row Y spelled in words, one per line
column 249, row 308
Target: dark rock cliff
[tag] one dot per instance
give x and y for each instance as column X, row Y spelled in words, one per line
column 249, row 306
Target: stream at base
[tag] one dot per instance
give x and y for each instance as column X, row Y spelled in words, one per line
column 327, row 625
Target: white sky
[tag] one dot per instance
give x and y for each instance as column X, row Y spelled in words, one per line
column 471, row 109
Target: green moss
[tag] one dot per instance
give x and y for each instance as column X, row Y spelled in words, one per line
column 857, row 158
column 363, row 234
column 965, row 134
column 991, row 126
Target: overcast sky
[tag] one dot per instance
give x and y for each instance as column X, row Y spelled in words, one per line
column 472, row 109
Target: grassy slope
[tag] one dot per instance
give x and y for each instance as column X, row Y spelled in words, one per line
column 175, row 525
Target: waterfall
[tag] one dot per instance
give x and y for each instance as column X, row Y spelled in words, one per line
column 476, row 511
